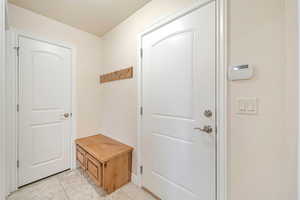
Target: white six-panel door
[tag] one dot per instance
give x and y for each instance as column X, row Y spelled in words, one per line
column 45, row 106
column 178, row 86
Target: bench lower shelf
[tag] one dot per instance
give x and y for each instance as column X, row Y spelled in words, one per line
column 111, row 172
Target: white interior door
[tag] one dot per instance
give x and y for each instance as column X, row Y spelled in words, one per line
column 178, row 86
column 45, row 106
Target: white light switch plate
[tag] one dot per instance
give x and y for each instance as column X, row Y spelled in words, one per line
column 247, row 106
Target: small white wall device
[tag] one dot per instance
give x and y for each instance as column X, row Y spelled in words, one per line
column 241, row 72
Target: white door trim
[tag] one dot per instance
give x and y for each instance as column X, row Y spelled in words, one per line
column 221, row 93
column 298, row 156
column 12, row 97
column 2, row 99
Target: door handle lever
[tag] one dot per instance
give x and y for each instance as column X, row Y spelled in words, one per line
column 207, row 129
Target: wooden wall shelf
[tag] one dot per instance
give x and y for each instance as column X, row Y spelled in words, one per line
column 117, row 75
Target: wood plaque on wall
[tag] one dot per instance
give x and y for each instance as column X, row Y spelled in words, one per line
column 117, row 75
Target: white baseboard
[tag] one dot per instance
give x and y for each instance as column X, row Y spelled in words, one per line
column 134, row 179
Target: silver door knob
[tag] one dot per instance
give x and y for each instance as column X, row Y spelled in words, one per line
column 206, row 129
column 66, row 115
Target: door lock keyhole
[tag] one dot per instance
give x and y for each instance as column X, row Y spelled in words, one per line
column 208, row 113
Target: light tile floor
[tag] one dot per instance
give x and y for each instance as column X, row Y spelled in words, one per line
column 75, row 185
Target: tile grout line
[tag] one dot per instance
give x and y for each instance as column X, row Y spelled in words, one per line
column 68, row 198
column 127, row 194
column 84, row 179
column 129, row 197
column 124, row 194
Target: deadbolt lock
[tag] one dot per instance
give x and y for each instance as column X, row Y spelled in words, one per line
column 208, row 113
column 66, row 115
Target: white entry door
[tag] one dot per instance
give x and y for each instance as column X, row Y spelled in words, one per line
column 45, row 106
column 178, row 98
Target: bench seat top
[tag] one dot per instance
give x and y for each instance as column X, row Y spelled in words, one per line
column 102, row 147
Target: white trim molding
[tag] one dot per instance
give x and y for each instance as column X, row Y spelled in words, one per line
column 222, row 189
column 11, row 119
column 222, row 97
column 2, row 99
column 134, row 179
column 298, row 145
column 12, row 101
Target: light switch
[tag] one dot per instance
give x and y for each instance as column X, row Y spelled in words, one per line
column 247, row 106
column 242, row 107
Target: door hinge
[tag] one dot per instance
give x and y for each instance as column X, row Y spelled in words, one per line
column 18, row 50
column 18, row 107
column 141, row 169
column 18, row 164
column 141, row 51
column 141, row 110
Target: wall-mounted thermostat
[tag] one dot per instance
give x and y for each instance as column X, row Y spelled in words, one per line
column 241, row 72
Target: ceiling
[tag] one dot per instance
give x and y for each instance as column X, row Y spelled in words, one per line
column 93, row 16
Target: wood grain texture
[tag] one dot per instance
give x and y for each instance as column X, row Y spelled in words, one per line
column 103, row 148
column 81, row 157
column 107, row 161
column 94, row 169
column 116, row 173
column 117, row 75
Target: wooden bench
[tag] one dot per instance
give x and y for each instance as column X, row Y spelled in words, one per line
column 107, row 162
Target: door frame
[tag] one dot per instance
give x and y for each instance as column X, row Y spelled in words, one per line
column 3, row 20
column 298, row 142
column 12, row 91
column 222, row 189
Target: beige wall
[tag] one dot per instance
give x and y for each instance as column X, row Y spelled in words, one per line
column 262, row 147
column 291, row 97
column 119, row 99
column 88, row 62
